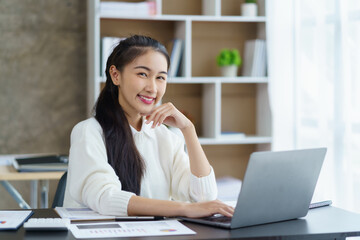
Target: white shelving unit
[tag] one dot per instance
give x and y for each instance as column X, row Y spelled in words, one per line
column 239, row 104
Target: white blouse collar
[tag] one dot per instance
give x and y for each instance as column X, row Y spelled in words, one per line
column 145, row 128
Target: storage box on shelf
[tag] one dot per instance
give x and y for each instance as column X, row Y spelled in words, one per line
column 216, row 104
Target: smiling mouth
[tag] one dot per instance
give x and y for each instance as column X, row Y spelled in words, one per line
column 146, row 100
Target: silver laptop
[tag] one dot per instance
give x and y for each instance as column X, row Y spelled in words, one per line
column 277, row 186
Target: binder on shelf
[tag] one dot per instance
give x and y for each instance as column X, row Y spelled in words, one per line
column 176, row 54
column 255, row 58
column 48, row 163
column 107, row 46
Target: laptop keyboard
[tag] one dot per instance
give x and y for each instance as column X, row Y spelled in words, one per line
column 219, row 219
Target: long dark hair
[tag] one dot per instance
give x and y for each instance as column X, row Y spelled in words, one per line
column 122, row 153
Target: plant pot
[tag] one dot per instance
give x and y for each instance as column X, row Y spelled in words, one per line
column 249, row 9
column 229, row 71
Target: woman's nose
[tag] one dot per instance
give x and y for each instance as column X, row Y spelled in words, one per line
column 151, row 85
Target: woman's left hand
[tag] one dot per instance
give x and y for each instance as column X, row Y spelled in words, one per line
column 168, row 114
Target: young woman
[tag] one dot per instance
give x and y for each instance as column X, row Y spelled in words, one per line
column 124, row 161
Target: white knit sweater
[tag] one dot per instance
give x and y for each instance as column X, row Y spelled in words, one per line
column 92, row 182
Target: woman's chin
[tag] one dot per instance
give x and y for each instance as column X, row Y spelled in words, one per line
column 145, row 113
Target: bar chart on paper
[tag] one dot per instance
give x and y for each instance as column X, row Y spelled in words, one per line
column 129, row 229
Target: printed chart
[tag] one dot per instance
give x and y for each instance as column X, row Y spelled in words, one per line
column 129, row 229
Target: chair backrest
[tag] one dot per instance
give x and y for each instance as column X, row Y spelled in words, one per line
column 60, row 192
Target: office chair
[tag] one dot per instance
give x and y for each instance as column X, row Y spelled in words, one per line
column 60, row 192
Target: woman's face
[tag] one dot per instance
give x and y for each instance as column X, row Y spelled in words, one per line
column 142, row 83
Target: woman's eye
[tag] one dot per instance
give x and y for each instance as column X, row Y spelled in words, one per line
column 142, row 74
column 161, row 78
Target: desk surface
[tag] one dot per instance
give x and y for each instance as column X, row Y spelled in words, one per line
column 320, row 223
column 9, row 173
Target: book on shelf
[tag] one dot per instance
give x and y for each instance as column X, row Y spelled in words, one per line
column 145, row 8
column 107, row 46
column 176, row 54
column 47, row 163
column 255, row 58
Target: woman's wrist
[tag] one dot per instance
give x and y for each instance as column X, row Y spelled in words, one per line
column 182, row 209
column 189, row 127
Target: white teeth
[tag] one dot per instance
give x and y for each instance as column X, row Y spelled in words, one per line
column 147, row 99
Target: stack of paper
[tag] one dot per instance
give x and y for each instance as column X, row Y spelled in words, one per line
column 129, row 229
column 12, row 220
column 117, row 226
column 128, row 8
column 81, row 214
column 255, row 58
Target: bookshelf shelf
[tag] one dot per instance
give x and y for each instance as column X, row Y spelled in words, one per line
column 204, row 80
column 186, row 18
column 214, row 103
column 231, row 141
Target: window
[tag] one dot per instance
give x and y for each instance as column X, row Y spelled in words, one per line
column 327, row 92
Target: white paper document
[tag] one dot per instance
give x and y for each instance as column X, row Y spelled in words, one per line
column 129, row 229
column 81, row 214
column 13, row 219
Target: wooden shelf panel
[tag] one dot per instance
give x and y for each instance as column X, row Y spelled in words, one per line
column 188, row 99
column 187, row 7
column 238, row 104
column 164, row 31
column 229, row 160
column 208, row 38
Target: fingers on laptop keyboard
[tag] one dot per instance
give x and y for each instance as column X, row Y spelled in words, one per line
column 226, row 210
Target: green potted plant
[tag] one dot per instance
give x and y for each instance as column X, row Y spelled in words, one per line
column 229, row 60
column 249, row 8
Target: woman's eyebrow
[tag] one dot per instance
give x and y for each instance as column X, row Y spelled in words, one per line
column 148, row 69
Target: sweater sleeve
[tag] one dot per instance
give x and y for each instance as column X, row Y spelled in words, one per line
column 185, row 185
column 92, row 181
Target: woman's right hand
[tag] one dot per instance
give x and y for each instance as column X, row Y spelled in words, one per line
column 205, row 209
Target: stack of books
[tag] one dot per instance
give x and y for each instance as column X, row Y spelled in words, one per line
column 255, row 58
column 143, row 9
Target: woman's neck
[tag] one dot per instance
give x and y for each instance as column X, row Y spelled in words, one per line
column 135, row 122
